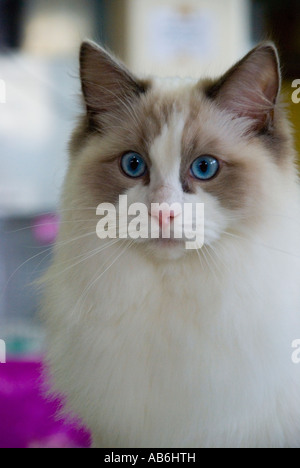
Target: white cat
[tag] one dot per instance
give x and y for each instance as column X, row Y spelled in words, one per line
column 154, row 345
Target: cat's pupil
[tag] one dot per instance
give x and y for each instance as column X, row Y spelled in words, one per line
column 134, row 164
column 203, row 166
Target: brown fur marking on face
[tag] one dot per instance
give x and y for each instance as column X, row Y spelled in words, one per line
column 105, row 181
column 209, row 131
column 234, row 186
column 126, row 131
column 130, row 129
column 279, row 142
column 137, row 123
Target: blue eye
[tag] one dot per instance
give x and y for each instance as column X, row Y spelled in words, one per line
column 133, row 165
column 205, row 167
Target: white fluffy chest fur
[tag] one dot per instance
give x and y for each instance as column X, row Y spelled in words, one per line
column 179, row 355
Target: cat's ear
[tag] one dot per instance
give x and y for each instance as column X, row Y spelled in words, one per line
column 250, row 89
column 107, row 85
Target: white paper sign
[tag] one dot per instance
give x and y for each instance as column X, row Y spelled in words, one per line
column 174, row 34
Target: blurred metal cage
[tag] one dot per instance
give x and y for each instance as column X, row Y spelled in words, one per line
column 23, row 259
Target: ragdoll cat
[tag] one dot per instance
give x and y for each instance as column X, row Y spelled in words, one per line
column 153, row 344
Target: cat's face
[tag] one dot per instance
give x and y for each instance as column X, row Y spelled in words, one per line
column 220, row 144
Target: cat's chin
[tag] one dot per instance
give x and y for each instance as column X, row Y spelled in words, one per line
column 165, row 249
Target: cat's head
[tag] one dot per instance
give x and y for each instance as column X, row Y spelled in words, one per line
column 224, row 143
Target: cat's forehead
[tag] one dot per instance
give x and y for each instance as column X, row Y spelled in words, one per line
column 177, row 120
column 172, row 83
column 166, row 149
column 163, row 116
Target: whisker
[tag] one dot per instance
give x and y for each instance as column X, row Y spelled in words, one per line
column 200, row 258
column 203, row 252
column 261, row 244
column 14, row 231
column 218, row 258
column 86, row 255
column 19, row 268
column 85, row 292
column 74, row 239
column 49, row 250
column 213, row 270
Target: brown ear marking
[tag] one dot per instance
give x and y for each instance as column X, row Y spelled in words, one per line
column 251, row 87
column 106, row 83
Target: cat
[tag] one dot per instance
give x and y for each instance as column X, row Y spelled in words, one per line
column 153, row 344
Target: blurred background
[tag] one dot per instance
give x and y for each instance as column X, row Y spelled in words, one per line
column 39, row 101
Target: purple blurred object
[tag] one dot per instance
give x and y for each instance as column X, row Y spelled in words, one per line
column 27, row 418
column 45, row 229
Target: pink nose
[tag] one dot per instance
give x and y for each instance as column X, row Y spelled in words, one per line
column 164, row 216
